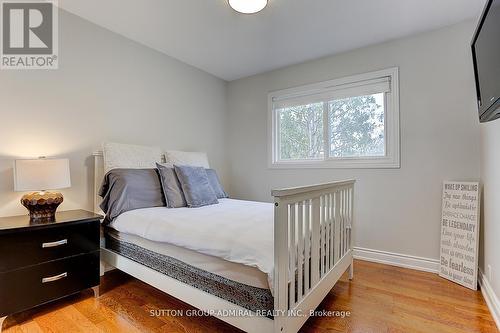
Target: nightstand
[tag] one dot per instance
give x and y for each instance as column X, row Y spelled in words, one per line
column 43, row 262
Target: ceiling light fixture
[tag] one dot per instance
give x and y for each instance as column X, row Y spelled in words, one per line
column 247, row 6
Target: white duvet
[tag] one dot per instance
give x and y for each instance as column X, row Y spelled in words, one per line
column 234, row 230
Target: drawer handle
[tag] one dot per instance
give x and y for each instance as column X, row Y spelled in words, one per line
column 55, row 277
column 54, row 244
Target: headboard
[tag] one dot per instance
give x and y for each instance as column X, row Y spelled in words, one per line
column 98, row 176
column 121, row 156
column 134, row 156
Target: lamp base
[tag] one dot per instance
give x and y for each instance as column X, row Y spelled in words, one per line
column 42, row 206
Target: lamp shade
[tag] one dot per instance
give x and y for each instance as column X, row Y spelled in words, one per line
column 248, row 6
column 41, row 174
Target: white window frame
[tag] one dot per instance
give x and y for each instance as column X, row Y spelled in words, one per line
column 391, row 127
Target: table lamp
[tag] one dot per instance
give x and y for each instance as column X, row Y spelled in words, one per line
column 40, row 175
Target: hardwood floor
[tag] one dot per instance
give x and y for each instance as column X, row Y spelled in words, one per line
column 381, row 298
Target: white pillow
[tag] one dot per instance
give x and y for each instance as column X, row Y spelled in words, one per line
column 123, row 156
column 198, row 159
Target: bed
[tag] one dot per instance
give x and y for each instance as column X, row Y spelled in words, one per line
column 286, row 258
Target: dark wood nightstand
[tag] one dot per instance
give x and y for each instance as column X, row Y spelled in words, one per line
column 43, row 262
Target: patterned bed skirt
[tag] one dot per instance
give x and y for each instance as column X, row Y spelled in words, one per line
column 248, row 297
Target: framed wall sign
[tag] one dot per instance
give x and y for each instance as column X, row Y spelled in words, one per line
column 460, row 233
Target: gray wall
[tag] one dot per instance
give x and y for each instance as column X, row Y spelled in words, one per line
column 106, row 88
column 490, row 228
column 110, row 88
column 396, row 210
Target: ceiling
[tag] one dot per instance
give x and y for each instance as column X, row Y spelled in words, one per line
column 209, row 35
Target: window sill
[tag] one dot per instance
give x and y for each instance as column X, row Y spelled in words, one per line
column 373, row 163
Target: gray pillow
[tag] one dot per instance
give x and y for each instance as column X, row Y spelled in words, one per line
column 128, row 189
column 214, row 181
column 195, row 185
column 171, row 186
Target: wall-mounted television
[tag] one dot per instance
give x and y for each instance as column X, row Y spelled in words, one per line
column 486, row 58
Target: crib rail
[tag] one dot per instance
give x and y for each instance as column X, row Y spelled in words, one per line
column 313, row 245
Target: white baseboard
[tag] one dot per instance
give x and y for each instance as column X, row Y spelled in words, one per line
column 490, row 297
column 397, row 259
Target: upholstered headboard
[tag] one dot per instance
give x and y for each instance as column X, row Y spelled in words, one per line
column 117, row 155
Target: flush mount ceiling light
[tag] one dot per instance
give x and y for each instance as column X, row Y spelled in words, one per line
column 247, row 6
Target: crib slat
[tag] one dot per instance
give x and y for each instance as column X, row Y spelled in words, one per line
column 307, row 252
column 337, row 225
column 327, row 232
column 281, row 248
column 327, row 236
column 347, row 218
column 322, row 235
column 293, row 249
column 315, row 250
column 334, row 221
column 342, row 221
column 326, row 260
column 342, row 224
column 351, row 212
column 323, row 239
column 332, row 228
column 300, row 254
column 342, row 218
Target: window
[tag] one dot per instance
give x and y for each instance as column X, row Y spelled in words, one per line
column 346, row 123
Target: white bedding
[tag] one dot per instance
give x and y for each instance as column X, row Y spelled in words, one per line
column 235, row 230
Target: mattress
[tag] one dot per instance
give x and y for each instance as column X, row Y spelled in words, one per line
column 185, row 266
column 237, row 231
column 247, row 275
